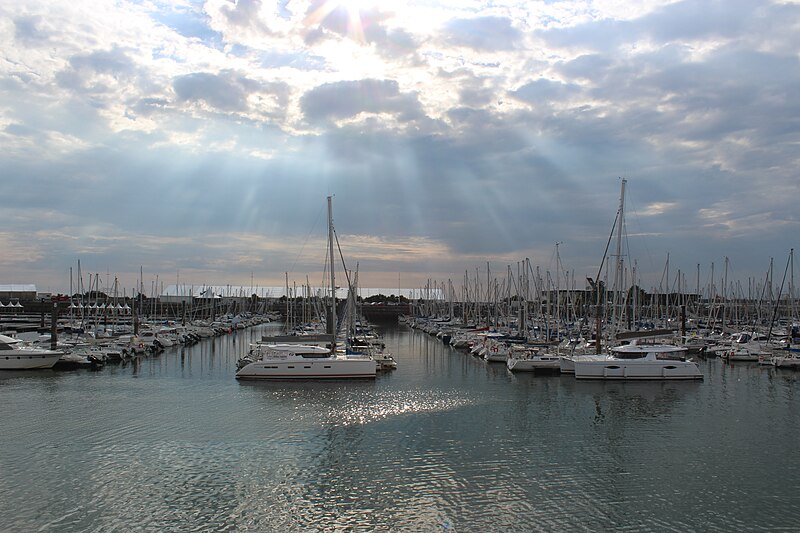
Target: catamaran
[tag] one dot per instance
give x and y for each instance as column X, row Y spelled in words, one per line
column 304, row 357
column 639, row 362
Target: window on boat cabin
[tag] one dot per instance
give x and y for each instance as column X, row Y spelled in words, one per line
column 306, row 366
column 671, row 356
column 6, row 347
column 630, row 355
column 326, row 366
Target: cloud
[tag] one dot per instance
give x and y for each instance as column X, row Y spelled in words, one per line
column 31, row 31
column 487, row 34
column 339, row 100
column 115, row 62
column 242, row 13
column 544, row 91
column 227, row 91
column 480, row 132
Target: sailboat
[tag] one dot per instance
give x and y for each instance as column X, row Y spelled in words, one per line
column 634, row 361
column 303, row 357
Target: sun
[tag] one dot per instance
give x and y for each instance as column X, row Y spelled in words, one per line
column 354, row 9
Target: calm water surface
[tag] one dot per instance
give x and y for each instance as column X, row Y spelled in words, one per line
column 445, row 443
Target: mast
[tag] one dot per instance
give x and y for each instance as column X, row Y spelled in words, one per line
column 724, row 293
column 333, row 277
column 793, row 314
column 620, row 265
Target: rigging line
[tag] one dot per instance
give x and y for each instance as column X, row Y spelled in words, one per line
column 605, row 254
column 308, row 236
column 636, row 217
column 344, row 266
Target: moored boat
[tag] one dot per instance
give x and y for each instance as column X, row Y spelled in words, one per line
column 287, row 361
column 639, row 362
column 15, row 355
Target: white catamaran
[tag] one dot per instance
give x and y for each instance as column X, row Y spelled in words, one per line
column 301, row 358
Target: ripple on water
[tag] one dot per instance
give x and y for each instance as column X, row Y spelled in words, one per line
column 446, row 442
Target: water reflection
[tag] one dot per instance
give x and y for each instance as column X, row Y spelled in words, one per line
column 634, row 400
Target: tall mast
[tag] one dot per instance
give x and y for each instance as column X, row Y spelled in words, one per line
column 333, row 277
column 620, row 265
column 792, row 315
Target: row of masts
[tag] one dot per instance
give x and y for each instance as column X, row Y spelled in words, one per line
column 626, row 304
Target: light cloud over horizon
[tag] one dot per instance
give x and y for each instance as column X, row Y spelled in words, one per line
column 203, row 137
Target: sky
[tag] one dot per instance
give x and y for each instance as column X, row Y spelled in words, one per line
column 198, row 141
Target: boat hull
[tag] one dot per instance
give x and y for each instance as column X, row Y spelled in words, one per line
column 548, row 364
column 637, row 370
column 28, row 360
column 787, row 362
column 309, row 370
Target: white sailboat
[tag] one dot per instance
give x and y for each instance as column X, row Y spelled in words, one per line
column 302, row 359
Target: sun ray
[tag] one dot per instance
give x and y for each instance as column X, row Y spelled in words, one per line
column 353, row 8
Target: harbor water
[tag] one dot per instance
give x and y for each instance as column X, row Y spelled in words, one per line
column 446, row 442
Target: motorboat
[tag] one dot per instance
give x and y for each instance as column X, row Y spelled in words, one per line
column 639, row 362
column 533, row 361
column 15, row 355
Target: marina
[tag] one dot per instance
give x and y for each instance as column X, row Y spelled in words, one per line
column 447, row 442
column 558, row 293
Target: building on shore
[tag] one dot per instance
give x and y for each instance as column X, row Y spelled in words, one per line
column 17, row 292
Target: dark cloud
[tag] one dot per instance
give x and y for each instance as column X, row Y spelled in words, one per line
column 30, row 30
column 700, row 19
column 686, row 21
column 391, row 43
column 115, row 61
column 93, row 74
column 476, row 96
column 543, row 91
column 487, row 34
column 349, row 98
column 226, row 91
